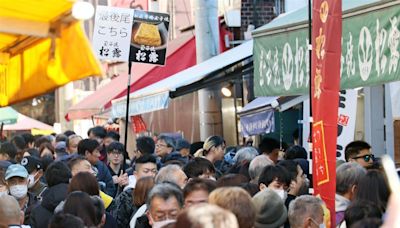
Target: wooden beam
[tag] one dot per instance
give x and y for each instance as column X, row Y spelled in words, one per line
column 24, row 27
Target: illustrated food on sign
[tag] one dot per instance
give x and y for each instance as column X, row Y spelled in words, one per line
column 148, row 34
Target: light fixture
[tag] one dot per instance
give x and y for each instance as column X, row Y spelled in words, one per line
column 82, row 10
column 226, row 92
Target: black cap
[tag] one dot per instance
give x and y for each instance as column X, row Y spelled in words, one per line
column 181, row 144
column 31, row 163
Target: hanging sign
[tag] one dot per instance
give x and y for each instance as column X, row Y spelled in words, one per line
column 149, row 37
column 112, row 33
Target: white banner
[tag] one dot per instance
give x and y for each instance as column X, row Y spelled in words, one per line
column 346, row 120
column 395, row 94
column 112, row 33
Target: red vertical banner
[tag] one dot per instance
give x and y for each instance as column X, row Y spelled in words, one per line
column 325, row 85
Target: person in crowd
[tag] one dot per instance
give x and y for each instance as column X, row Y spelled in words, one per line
column 298, row 183
column 183, row 147
column 124, row 207
column 111, row 136
column 72, row 143
column 245, row 154
column 89, row 148
column 34, row 167
column 348, row 176
column 359, row 210
column 139, row 196
column 10, row 212
column 201, row 168
column 115, row 157
column 29, row 140
column 80, row 164
column 165, row 145
column 57, row 176
column 32, row 152
column 60, row 138
column 68, row 133
column 270, row 209
column 60, row 150
column 197, row 191
column 46, row 149
column 373, row 187
column 206, row 215
column 164, row 203
column 20, row 144
column 213, row 149
column 251, row 188
column 256, row 167
column 231, row 180
column 61, row 220
column 359, row 152
column 238, row 201
column 275, row 178
column 306, row 211
column 98, row 133
column 144, row 145
column 81, row 205
column 8, row 151
column 41, row 139
column 173, row 174
column 270, row 147
column 17, row 182
column 100, row 212
column 295, row 152
column 196, row 146
column 3, row 183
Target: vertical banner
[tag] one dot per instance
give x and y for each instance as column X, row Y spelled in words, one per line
column 326, row 53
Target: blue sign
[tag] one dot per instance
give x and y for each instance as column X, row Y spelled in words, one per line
column 261, row 122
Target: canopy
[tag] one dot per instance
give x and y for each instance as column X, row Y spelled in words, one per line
column 181, row 54
column 42, row 47
column 369, row 49
column 8, row 115
column 15, row 121
column 154, row 94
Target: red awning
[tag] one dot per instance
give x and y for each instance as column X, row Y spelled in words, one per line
column 181, row 54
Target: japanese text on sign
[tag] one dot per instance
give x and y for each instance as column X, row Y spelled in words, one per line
column 319, row 149
column 112, row 33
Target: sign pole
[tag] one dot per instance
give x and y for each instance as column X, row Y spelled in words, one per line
column 127, row 111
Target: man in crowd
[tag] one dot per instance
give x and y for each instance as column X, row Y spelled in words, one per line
column 165, row 145
column 10, row 213
column 359, row 152
column 306, row 211
column 173, row 174
column 98, row 133
column 256, row 167
column 72, row 143
column 34, row 167
column 17, row 182
column 270, row 147
column 197, row 191
column 8, row 151
column 89, row 148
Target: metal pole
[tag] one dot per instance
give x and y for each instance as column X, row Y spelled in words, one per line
column 236, row 117
column 310, row 59
column 127, row 113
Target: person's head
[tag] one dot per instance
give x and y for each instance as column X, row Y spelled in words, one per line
column 164, row 145
column 231, row 180
column 39, row 140
column 270, row 209
column 173, row 174
column 35, row 169
column 29, row 140
column 90, row 149
column 294, row 152
column 245, row 154
column 348, row 176
column 97, row 133
column 46, row 149
column 111, row 136
column 206, row 215
column 270, row 147
column 275, row 178
column 238, row 201
column 373, row 187
column 164, row 203
column 19, row 142
column 3, row 183
column 84, row 182
column 200, row 167
column 100, row 210
column 62, row 220
column 10, row 212
column 359, row 210
column 17, row 181
column 115, row 153
column 80, row 204
column 60, row 149
column 257, row 165
column 142, row 189
column 306, row 211
column 57, row 173
column 183, row 146
column 68, row 133
column 145, row 166
column 360, row 152
column 80, row 164
column 61, row 138
column 197, row 191
column 144, row 145
column 8, row 151
column 31, row 152
column 213, row 148
column 72, row 143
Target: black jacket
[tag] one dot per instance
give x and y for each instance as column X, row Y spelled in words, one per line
column 41, row 215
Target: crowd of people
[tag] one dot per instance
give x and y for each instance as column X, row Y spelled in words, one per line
column 67, row 181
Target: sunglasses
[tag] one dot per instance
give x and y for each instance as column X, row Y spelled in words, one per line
column 366, row 157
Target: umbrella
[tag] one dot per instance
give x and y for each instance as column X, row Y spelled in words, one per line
column 8, row 115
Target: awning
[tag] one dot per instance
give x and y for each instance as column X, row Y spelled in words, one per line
column 185, row 78
column 42, row 47
column 281, row 61
column 181, row 54
column 17, row 121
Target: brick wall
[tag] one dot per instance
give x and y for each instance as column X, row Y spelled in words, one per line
column 257, row 12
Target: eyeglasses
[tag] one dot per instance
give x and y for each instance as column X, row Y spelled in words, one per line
column 161, row 145
column 366, row 157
